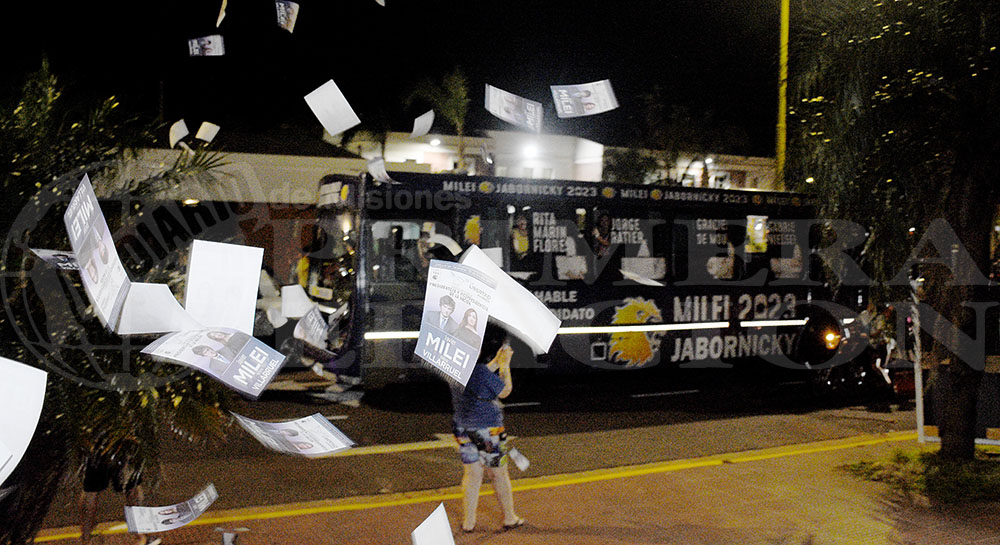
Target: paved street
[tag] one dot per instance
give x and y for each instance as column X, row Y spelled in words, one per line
column 404, row 443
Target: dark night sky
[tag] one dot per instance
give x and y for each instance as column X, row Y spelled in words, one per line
column 707, row 54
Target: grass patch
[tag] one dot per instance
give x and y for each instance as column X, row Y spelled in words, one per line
column 944, row 481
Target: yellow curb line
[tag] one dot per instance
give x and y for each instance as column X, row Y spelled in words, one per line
column 532, row 483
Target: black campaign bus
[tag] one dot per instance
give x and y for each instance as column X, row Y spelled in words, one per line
column 641, row 276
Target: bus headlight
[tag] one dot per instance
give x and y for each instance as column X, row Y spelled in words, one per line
column 832, row 339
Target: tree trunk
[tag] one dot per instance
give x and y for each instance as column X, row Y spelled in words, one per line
column 959, row 386
column 972, row 220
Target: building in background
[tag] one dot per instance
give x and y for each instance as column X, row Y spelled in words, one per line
column 539, row 156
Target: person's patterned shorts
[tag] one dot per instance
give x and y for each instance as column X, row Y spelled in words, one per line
column 486, row 445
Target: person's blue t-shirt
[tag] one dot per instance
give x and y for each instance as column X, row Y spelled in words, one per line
column 476, row 406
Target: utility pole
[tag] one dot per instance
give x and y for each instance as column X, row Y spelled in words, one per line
column 782, row 93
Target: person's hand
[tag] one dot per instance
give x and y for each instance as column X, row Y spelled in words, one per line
column 504, row 355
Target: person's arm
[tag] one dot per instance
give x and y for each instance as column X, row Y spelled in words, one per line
column 501, row 363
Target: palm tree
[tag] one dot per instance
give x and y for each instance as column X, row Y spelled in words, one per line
column 45, row 147
column 895, row 118
column 450, row 100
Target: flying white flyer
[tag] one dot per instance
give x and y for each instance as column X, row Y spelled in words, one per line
column 22, row 393
column 101, row 270
column 434, row 530
column 60, row 259
column 422, row 125
column 331, row 108
column 312, row 436
column 584, row 98
column 206, row 46
column 288, row 13
column 312, row 328
column 514, row 109
column 231, row 356
column 143, row 520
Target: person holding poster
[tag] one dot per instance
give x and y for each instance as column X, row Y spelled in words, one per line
column 478, row 427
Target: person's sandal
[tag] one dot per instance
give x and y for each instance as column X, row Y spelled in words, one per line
column 517, row 524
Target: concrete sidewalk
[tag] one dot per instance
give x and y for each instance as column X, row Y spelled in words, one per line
column 791, row 495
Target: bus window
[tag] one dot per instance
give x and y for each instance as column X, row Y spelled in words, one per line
column 395, row 250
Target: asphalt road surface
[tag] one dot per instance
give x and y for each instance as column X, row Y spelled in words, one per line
column 563, row 424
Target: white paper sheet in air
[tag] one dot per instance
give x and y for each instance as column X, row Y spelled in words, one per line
column 152, row 308
column 222, row 13
column 312, row 328
column 331, row 108
column 61, row 259
column 376, row 167
column 583, row 98
column 233, row 357
column 177, row 131
column 288, row 13
column 422, row 124
column 169, row 517
column 207, row 131
column 514, row 109
column 515, row 306
column 101, row 270
column 495, row 255
column 267, row 287
column 22, row 392
column 222, row 283
column 206, row 46
column 312, row 436
column 434, row 530
column 5, row 455
column 294, row 301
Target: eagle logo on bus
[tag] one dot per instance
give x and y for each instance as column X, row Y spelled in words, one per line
column 635, row 348
column 486, row 187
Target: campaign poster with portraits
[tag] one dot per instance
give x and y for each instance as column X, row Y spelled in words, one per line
column 101, row 270
column 206, row 46
column 583, row 98
column 514, row 109
column 60, row 259
column 312, row 436
column 456, row 308
column 231, row 356
column 144, row 520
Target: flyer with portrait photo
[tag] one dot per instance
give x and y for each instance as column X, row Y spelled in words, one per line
column 101, row 270
column 60, row 259
column 144, row 520
column 514, row 109
column 231, row 356
column 312, row 436
column 583, row 99
column 456, row 309
column 206, row 46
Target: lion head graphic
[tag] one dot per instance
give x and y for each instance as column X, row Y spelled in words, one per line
column 635, row 348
